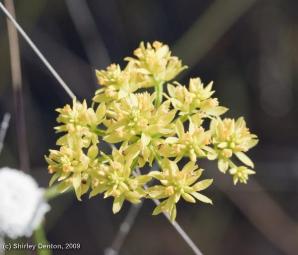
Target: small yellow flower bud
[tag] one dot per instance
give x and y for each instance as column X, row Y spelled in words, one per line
column 169, row 190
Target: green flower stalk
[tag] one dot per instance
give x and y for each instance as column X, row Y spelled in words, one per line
column 147, row 117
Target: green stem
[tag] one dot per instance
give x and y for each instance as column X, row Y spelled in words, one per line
column 159, row 91
column 231, row 164
column 53, row 192
column 99, row 132
column 40, row 238
column 158, row 158
column 183, row 118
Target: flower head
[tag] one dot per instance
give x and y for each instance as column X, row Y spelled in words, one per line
column 116, row 179
column 136, row 115
column 192, row 143
column 229, row 138
column 119, row 83
column 156, row 61
column 76, row 160
column 175, row 183
column 146, row 123
column 241, row 174
column 196, row 98
column 22, row 204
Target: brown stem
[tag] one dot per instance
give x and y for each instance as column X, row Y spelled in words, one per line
column 16, row 74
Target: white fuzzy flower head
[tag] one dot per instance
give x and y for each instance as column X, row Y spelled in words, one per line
column 22, row 204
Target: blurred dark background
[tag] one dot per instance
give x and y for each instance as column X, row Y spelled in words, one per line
column 247, row 47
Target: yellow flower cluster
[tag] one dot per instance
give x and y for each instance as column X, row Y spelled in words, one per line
column 147, row 117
